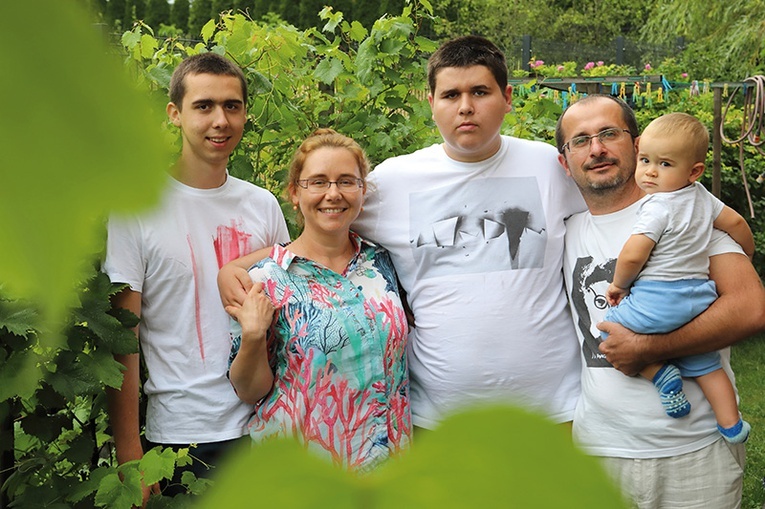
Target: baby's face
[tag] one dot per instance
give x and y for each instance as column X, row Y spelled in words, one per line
column 663, row 164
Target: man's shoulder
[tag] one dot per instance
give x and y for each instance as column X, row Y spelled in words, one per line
column 575, row 221
column 248, row 188
column 538, row 157
column 527, row 143
column 525, row 147
column 404, row 161
column 239, row 183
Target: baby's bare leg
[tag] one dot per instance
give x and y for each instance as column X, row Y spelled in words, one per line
column 719, row 392
column 718, row 389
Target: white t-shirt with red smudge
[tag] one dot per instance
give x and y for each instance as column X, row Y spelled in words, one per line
column 171, row 255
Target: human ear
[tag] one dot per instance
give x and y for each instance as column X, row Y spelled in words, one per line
column 174, row 114
column 292, row 191
column 564, row 162
column 696, row 171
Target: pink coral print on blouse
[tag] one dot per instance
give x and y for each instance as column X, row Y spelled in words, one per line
column 394, row 321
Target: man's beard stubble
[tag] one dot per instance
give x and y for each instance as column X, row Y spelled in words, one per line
column 617, row 181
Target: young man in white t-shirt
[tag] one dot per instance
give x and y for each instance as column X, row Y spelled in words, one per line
column 170, row 256
column 660, row 462
column 474, row 227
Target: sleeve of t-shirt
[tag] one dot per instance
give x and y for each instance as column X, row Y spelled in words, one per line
column 652, row 219
column 366, row 223
column 722, row 243
column 717, row 204
column 277, row 224
column 124, row 262
column 571, row 198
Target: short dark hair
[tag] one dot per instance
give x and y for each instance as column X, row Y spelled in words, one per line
column 628, row 116
column 203, row 63
column 467, row 51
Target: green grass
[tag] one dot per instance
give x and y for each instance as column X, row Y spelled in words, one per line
column 748, row 361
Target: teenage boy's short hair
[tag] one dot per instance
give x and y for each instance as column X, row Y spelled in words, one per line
column 203, row 63
column 468, row 51
column 685, row 128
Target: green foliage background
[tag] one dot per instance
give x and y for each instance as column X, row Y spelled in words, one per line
column 57, row 330
column 719, row 40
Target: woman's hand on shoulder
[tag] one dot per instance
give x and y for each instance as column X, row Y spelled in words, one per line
column 233, row 279
column 255, row 314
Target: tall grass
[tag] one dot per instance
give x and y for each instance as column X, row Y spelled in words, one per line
column 748, row 361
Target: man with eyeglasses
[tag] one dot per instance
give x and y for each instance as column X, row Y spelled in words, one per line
column 660, row 462
column 606, row 136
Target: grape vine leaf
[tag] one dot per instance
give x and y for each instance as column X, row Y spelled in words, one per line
column 485, row 457
column 78, row 139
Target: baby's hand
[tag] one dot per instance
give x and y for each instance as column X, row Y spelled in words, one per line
column 614, row 294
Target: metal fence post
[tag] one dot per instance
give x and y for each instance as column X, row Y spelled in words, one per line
column 526, row 52
column 620, row 50
column 717, row 143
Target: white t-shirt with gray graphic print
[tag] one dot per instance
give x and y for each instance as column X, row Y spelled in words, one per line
column 478, row 248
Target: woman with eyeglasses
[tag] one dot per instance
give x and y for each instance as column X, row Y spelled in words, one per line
column 320, row 343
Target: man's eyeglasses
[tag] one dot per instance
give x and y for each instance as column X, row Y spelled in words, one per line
column 322, row 185
column 605, row 137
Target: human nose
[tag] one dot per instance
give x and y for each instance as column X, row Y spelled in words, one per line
column 650, row 170
column 466, row 105
column 332, row 191
column 596, row 146
column 220, row 118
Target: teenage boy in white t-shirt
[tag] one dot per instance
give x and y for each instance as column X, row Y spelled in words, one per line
column 170, row 256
